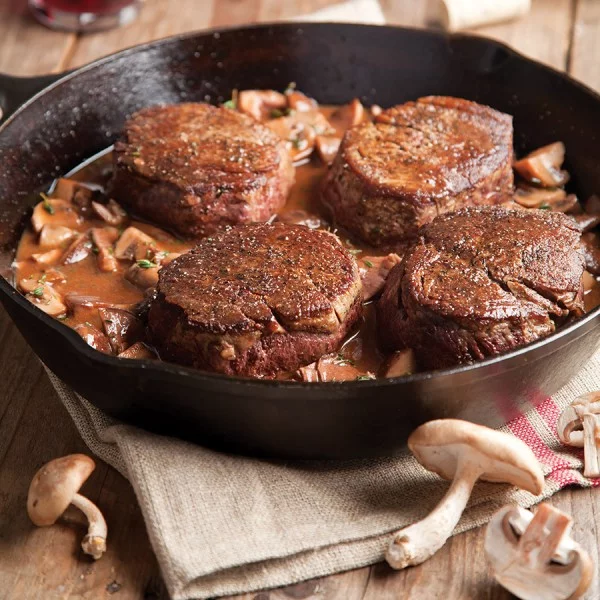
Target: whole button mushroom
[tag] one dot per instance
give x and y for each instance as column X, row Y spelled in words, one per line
column 533, row 555
column 579, row 425
column 55, row 486
column 462, row 452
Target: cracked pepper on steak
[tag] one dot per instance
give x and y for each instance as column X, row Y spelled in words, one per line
column 195, row 168
column 482, row 281
column 256, row 299
column 418, row 160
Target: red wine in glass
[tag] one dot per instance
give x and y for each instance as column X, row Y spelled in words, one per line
column 84, row 15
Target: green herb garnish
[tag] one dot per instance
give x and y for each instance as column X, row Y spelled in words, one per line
column 230, row 104
column 354, row 250
column 545, row 207
column 46, row 204
column 291, row 86
column 366, row 377
column 146, row 264
column 297, row 143
column 368, row 263
column 38, row 292
column 343, row 361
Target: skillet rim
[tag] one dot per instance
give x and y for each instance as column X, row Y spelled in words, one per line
column 79, row 345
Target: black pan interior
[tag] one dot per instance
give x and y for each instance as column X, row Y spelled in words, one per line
column 82, row 114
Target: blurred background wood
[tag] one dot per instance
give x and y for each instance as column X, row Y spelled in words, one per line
column 34, row 427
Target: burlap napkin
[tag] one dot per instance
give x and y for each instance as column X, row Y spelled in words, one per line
column 223, row 524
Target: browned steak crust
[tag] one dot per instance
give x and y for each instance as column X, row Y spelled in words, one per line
column 482, row 281
column 194, row 168
column 256, row 299
column 416, row 161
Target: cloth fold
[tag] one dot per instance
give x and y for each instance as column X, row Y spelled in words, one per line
column 222, row 524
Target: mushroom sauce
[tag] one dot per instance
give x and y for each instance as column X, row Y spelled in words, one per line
column 74, row 258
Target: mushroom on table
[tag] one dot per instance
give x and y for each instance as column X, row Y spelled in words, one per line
column 579, row 426
column 55, row 486
column 533, row 555
column 462, row 452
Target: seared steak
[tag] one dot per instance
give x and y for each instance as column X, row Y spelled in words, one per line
column 194, row 168
column 416, row 161
column 256, row 299
column 482, row 281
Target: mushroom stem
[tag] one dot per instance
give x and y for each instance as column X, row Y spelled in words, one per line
column 94, row 543
column 418, row 542
column 591, row 435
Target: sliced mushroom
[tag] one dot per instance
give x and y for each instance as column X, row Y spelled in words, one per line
column 308, row 373
column 134, row 244
column 143, row 274
column 55, row 486
column 592, row 205
column 261, row 104
column 54, row 211
column 41, row 293
column 80, row 248
column 47, row 258
column 85, row 307
column 300, row 102
column 590, row 243
column 348, row 115
column 374, row 271
column 462, row 452
column 55, row 236
column 138, row 351
column 587, row 222
column 327, row 147
column 337, row 367
column 300, row 131
column 104, row 238
column 534, row 197
column 122, row 328
column 94, row 337
column 543, row 166
column 579, row 425
column 533, row 555
column 400, row 363
column 111, row 212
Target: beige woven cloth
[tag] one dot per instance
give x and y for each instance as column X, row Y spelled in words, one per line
column 222, row 524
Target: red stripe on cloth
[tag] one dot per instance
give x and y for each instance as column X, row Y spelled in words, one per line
column 522, row 428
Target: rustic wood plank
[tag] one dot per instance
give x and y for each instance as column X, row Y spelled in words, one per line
column 48, row 563
column 544, row 34
column 586, row 43
column 157, row 19
column 26, row 48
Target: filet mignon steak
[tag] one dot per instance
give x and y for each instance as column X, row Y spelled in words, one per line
column 416, row 161
column 256, row 299
column 195, row 168
column 482, row 281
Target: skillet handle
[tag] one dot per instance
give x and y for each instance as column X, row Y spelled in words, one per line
column 14, row 91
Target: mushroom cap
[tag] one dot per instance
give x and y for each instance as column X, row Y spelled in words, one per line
column 442, row 444
column 54, row 485
column 570, row 421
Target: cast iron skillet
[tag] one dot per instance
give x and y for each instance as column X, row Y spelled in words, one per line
column 82, row 112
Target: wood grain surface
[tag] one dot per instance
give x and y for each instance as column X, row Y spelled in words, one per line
column 34, row 427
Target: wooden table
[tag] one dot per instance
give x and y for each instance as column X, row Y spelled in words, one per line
column 34, row 427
